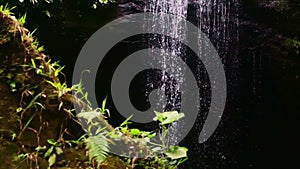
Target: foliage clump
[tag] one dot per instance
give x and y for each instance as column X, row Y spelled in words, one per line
column 35, row 105
column 36, row 109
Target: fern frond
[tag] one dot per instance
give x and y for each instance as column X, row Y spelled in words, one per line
column 97, row 148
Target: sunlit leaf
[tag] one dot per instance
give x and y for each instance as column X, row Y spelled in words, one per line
column 177, row 152
column 51, row 141
column 58, row 150
column 126, row 121
column 39, row 148
column 47, row 13
column 49, row 152
column 97, row 148
column 19, row 109
column 52, row 160
column 135, row 132
column 89, row 116
column 168, row 117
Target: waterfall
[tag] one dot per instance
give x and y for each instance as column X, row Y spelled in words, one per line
column 166, row 58
column 217, row 19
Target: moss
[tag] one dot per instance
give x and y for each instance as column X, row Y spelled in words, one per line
column 32, row 108
column 72, row 158
column 8, row 153
column 292, row 44
column 113, row 162
column 27, row 77
column 8, row 104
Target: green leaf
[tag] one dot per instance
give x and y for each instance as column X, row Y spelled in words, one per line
column 104, row 103
column 124, row 129
column 135, row 132
column 89, row 116
column 33, row 63
column 22, row 20
column 52, row 142
column 13, row 136
column 97, row 148
column 108, row 112
column 49, row 152
column 99, row 130
column 126, row 121
column 33, row 101
column 158, row 117
column 58, row 70
column 39, row 148
column 22, row 156
column 27, row 123
column 13, row 84
column 176, row 152
column 19, row 109
column 52, row 160
column 58, row 150
column 168, row 117
column 52, row 83
column 151, row 135
column 113, row 135
column 47, row 13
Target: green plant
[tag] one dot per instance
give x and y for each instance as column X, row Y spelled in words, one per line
column 160, row 156
column 95, row 140
column 77, row 143
column 172, row 155
column 176, row 152
column 79, row 92
column 165, row 119
column 293, row 44
column 97, row 149
column 32, row 156
column 25, row 77
column 61, row 88
column 12, row 133
column 32, row 104
column 22, row 20
column 54, row 150
column 104, row 110
column 6, row 10
column 134, row 132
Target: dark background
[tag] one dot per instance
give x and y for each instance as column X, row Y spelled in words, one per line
column 260, row 125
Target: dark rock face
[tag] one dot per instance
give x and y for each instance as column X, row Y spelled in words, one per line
column 9, row 102
column 269, row 33
column 267, row 114
column 130, row 7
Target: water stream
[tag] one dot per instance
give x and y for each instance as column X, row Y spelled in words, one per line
column 217, row 19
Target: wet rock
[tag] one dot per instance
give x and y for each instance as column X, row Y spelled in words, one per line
column 130, row 7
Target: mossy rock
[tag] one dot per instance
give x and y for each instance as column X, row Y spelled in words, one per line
column 32, row 110
column 8, row 153
column 114, row 162
column 9, row 102
column 30, row 106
